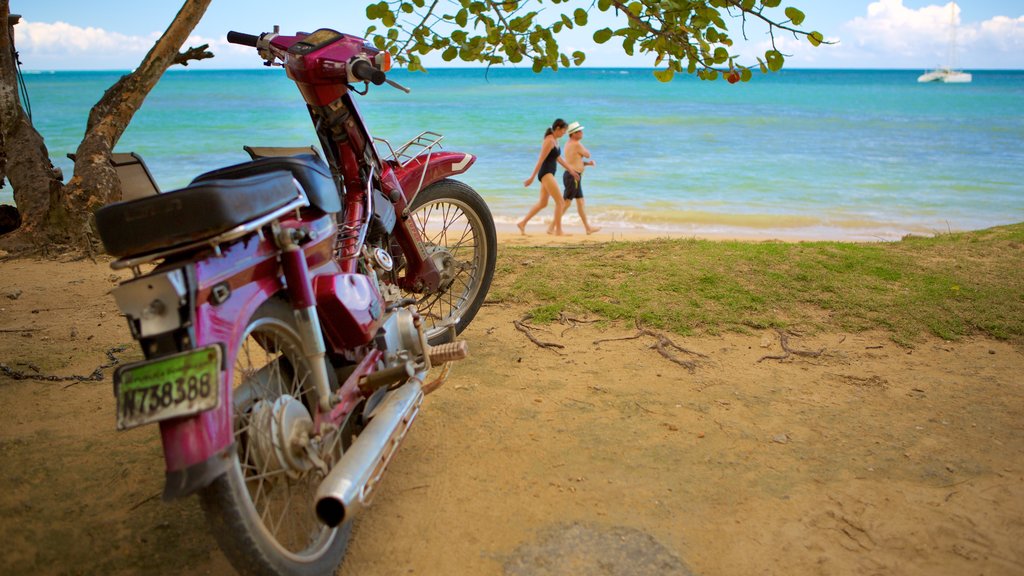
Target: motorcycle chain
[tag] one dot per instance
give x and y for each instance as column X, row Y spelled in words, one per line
column 96, row 376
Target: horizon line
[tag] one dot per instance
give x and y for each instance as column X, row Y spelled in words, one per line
column 546, row 71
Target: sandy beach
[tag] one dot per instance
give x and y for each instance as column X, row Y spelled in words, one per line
column 598, row 457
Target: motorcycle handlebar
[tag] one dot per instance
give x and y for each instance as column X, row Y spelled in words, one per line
column 365, row 71
column 242, row 38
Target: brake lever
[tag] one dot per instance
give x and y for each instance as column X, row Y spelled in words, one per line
column 397, row 85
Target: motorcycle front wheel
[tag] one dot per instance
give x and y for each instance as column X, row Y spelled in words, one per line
column 262, row 510
column 458, row 233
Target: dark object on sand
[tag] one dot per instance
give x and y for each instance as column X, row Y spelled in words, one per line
column 10, row 218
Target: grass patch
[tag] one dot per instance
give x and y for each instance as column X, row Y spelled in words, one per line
column 950, row 286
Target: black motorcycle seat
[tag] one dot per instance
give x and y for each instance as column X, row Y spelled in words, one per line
column 311, row 172
column 197, row 212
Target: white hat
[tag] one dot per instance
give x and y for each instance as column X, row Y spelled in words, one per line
column 574, row 128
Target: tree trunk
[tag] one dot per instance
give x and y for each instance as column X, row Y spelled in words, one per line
column 27, row 163
column 63, row 214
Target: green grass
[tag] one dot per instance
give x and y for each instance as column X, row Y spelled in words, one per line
column 950, row 286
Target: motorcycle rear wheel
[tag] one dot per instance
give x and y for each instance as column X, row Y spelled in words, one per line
column 260, row 511
column 454, row 221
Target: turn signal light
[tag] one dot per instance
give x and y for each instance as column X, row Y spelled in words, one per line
column 383, row 60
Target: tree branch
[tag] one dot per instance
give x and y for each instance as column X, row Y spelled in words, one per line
column 194, row 53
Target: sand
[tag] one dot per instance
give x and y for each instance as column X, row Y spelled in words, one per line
column 594, row 458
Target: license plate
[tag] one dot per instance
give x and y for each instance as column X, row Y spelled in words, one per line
column 170, row 387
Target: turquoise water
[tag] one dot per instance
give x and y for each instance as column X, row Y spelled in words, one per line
column 801, row 154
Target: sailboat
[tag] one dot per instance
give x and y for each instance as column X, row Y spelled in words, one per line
column 948, row 74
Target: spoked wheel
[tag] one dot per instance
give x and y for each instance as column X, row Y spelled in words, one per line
column 262, row 510
column 458, row 235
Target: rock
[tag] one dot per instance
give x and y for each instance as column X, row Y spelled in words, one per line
column 780, row 439
column 13, row 294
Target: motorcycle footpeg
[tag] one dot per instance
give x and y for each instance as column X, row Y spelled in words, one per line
column 449, row 352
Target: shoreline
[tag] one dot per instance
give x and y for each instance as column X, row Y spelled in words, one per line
column 536, row 235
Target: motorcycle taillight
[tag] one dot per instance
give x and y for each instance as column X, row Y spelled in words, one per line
column 159, row 310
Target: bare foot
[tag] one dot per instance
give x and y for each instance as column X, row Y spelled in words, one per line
column 560, row 233
column 522, row 227
column 592, row 230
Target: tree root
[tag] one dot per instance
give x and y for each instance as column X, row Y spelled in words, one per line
column 525, row 329
column 662, row 344
column 784, row 341
column 563, row 318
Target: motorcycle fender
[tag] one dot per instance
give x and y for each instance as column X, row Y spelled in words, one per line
column 424, row 170
column 197, row 449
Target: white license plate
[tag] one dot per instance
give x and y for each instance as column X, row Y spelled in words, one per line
column 170, row 387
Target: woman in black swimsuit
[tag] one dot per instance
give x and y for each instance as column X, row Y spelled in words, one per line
column 550, row 156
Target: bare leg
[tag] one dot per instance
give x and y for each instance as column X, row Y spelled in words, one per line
column 551, row 187
column 583, row 217
column 540, row 205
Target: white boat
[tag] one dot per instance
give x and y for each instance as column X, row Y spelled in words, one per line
column 945, row 75
column 948, row 74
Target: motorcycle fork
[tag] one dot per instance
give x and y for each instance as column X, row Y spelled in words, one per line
column 299, row 287
column 350, row 140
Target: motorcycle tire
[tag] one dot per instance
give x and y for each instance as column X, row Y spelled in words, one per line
column 454, row 221
column 262, row 511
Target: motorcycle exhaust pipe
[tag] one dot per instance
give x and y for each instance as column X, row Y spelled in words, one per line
column 349, row 487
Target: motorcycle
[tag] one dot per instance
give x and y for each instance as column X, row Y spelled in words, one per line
column 290, row 310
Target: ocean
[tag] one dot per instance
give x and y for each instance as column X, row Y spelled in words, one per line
column 802, row 154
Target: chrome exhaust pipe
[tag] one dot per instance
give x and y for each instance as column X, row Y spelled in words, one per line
column 349, row 487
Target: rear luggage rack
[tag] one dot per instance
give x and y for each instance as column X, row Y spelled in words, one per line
column 424, row 143
column 419, row 146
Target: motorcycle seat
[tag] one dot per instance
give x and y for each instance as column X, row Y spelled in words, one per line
column 311, row 172
column 200, row 211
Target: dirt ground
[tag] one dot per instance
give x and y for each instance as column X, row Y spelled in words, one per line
column 601, row 458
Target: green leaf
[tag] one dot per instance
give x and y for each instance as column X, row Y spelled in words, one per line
column 721, row 55
column 462, row 18
column 603, row 35
column 604, row 5
column 580, row 16
column 450, row 54
column 388, row 19
column 815, row 38
column 578, row 58
column 771, row 3
column 746, row 74
column 775, row 60
column 664, row 75
column 795, row 16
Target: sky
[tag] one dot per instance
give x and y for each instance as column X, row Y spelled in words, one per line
column 902, row 34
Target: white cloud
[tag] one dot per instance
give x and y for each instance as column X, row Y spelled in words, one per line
column 892, row 34
column 63, row 46
column 61, row 38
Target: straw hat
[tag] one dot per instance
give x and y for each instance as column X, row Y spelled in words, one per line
column 574, row 128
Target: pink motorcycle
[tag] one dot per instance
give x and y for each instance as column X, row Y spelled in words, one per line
column 289, row 310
